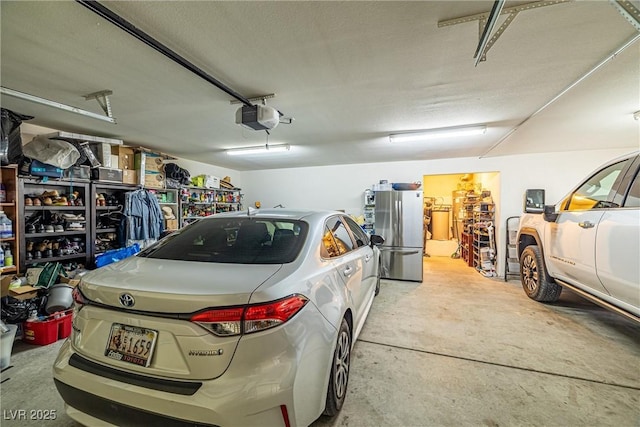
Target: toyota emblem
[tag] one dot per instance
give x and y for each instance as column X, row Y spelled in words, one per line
column 127, row 300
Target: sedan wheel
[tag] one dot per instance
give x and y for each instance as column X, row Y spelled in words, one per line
column 339, row 378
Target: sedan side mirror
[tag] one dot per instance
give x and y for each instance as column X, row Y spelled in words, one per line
column 376, row 240
column 550, row 213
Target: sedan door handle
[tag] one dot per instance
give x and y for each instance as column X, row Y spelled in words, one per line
column 367, row 258
column 586, row 224
column 347, row 271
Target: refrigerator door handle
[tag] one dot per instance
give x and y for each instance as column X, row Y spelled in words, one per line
column 402, row 252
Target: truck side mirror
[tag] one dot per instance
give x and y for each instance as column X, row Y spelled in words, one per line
column 550, row 213
column 534, row 200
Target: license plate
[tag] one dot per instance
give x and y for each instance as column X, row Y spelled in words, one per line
column 131, row 344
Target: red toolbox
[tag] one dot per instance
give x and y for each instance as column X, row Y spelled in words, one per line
column 48, row 330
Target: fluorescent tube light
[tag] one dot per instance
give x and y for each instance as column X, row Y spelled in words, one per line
column 438, row 133
column 259, row 149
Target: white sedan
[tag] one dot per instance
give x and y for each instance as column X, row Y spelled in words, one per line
column 245, row 318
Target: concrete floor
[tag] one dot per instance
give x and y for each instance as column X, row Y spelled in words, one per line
column 458, row 349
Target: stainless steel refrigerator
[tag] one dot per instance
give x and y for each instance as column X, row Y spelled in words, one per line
column 399, row 219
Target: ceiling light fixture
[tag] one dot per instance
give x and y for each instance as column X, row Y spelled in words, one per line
column 259, row 149
column 438, row 133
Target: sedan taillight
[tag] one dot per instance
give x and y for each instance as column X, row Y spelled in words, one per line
column 249, row 319
column 78, row 298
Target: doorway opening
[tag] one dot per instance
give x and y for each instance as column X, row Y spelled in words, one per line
column 461, row 218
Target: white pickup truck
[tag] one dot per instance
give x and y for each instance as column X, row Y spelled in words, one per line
column 589, row 242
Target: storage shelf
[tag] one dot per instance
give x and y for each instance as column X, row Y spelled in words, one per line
column 56, row 258
column 54, row 208
column 106, row 230
column 54, row 234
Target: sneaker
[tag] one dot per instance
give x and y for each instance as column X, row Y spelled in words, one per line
column 28, row 201
column 30, row 229
column 58, row 228
column 41, row 228
column 49, row 229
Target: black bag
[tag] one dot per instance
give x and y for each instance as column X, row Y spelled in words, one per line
column 11, row 141
column 176, row 173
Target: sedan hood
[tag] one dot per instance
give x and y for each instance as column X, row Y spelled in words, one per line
column 167, row 286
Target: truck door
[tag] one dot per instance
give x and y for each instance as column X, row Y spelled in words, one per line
column 572, row 239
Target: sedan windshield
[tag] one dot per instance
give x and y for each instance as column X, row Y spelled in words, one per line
column 234, row 240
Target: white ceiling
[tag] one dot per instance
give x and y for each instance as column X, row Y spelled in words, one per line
column 349, row 72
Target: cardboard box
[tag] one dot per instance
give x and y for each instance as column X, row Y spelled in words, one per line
column 171, row 224
column 71, row 282
column 126, row 157
column 106, row 174
column 149, row 162
column 115, row 162
column 211, row 181
column 153, row 180
column 24, row 292
column 129, row 176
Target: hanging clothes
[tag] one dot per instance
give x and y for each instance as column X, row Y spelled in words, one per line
column 143, row 221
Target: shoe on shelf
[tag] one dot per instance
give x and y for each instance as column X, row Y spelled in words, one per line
column 41, row 228
column 52, row 193
column 49, row 229
column 37, row 202
column 30, row 229
column 47, row 201
column 37, row 255
column 58, row 228
column 61, row 201
column 29, row 256
column 28, row 201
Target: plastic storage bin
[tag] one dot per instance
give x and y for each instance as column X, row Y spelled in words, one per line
column 6, row 346
column 47, row 331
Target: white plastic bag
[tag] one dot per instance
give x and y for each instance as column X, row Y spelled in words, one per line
column 54, row 152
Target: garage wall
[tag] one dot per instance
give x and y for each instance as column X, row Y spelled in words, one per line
column 342, row 186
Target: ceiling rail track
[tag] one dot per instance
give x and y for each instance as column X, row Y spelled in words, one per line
column 128, row 27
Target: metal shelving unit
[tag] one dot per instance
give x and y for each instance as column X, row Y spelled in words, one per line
column 511, row 261
column 32, row 186
column 198, row 202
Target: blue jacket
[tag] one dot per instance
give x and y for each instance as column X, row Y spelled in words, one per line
column 143, row 215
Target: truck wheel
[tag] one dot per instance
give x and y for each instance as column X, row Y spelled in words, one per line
column 534, row 277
